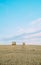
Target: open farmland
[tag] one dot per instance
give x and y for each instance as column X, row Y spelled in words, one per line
column 20, row 55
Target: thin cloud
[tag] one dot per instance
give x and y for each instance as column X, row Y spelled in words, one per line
column 31, row 35
column 36, row 21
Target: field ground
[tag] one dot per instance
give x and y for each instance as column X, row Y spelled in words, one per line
column 20, row 55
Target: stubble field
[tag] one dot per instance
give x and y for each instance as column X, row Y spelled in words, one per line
column 20, row 55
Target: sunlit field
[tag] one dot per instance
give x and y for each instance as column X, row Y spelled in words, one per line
column 20, row 55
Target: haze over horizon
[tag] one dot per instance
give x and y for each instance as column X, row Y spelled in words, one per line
column 20, row 21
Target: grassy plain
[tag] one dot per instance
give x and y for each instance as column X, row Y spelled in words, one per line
column 20, row 55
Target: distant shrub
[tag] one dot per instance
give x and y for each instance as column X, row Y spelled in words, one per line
column 33, row 49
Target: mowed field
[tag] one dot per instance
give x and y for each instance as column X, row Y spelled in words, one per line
column 20, row 55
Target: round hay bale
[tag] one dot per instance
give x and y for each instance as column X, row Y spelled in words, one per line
column 23, row 43
column 13, row 43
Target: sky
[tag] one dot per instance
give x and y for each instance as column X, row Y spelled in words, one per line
column 18, row 17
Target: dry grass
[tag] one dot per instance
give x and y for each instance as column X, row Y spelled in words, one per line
column 20, row 55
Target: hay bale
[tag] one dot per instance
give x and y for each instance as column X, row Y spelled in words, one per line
column 13, row 43
column 23, row 43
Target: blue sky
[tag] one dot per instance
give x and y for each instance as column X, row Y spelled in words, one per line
column 18, row 17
